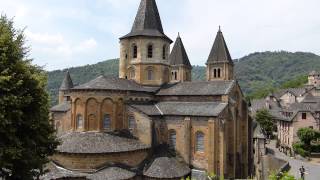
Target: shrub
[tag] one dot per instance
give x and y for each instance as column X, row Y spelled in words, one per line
column 299, row 148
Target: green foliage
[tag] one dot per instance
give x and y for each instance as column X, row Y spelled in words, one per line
column 299, row 81
column 26, row 136
column 301, row 149
column 306, row 135
column 281, row 176
column 264, row 118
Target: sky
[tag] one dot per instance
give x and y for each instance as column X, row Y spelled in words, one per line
column 68, row 33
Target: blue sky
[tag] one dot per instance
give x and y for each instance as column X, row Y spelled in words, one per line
column 67, row 33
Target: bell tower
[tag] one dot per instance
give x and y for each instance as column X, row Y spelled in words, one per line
column 144, row 52
column 219, row 64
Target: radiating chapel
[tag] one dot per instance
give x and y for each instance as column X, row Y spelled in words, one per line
column 153, row 122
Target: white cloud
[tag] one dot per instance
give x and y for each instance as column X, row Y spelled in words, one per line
column 86, row 45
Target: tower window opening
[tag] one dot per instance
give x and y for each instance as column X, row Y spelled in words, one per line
column 175, row 76
column 131, row 122
column 219, row 73
column 135, row 51
column 199, row 142
column 150, row 51
column 164, row 52
column 215, row 73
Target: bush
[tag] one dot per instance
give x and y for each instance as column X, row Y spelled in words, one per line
column 299, row 148
column 315, row 148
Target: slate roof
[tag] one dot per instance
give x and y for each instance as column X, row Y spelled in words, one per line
column 110, row 173
column 63, row 107
column 113, row 83
column 295, row 91
column 147, row 21
column 207, row 109
column 67, row 82
column 219, row 51
column 165, row 167
column 178, row 54
column 200, row 88
column 311, row 99
column 96, row 143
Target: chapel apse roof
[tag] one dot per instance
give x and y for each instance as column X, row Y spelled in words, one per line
column 110, row 173
column 97, row 143
column 113, row 83
column 63, row 107
column 197, row 88
column 166, row 168
column 147, row 21
column 205, row 109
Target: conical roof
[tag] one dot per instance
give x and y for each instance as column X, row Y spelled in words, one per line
column 67, row 82
column 219, row 51
column 147, row 21
column 178, row 54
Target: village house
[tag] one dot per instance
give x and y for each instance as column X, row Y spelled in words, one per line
column 153, row 122
column 293, row 109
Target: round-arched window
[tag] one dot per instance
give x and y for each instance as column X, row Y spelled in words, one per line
column 172, row 139
column 131, row 122
column 79, row 121
column 199, row 142
column 106, row 121
column 134, row 51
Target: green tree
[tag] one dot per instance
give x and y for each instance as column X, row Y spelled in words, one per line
column 306, row 135
column 264, row 118
column 281, row 176
column 26, row 136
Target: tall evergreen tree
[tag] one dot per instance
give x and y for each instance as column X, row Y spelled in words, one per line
column 26, row 136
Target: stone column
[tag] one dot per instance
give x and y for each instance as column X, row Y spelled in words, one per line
column 212, row 146
column 222, row 146
column 187, row 140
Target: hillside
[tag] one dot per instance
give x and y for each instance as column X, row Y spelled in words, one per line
column 257, row 72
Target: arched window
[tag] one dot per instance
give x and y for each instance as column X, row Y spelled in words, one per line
column 164, row 52
column 199, row 142
column 172, row 139
column 134, row 51
column 219, row 73
column 215, row 73
column 150, row 74
column 131, row 122
column 150, row 51
column 106, row 121
column 79, row 121
column 175, row 75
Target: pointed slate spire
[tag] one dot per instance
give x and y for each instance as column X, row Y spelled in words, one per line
column 67, row 82
column 147, row 21
column 219, row 51
column 178, row 54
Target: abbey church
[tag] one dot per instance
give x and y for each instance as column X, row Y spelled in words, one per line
column 153, row 122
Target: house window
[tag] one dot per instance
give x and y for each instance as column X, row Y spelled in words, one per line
column 131, row 122
column 150, row 74
column 199, row 142
column 135, row 51
column 150, row 51
column 164, row 51
column 172, row 139
column 304, row 115
column 106, row 121
column 79, row 121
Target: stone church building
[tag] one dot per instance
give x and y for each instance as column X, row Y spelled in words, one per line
column 153, row 122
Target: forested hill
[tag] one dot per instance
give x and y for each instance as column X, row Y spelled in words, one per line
column 257, row 72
